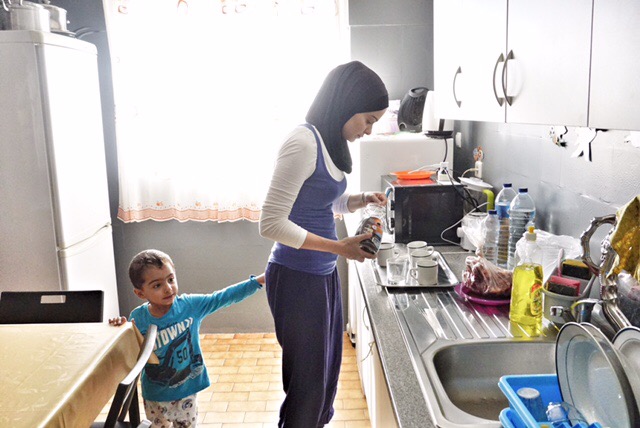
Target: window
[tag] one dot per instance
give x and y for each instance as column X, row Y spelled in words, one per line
column 206, row 91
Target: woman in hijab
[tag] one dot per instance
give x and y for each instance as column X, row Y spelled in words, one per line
column 307, row 189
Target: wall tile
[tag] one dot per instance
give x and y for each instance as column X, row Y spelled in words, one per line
column 568, row 192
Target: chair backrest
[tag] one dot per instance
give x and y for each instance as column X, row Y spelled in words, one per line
column 30, row 307
column 126, row 397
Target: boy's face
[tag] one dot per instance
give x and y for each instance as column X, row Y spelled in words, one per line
column 160, row 287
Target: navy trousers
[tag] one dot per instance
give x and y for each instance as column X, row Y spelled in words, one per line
column 307, row 311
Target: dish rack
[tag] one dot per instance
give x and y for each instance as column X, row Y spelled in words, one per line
column 518, row 415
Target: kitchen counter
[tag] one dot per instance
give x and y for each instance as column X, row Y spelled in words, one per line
column 408, row 401
column 406, row 322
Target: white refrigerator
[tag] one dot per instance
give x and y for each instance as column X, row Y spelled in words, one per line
column 55, row 224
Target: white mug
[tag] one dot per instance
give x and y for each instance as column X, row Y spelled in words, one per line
column 416, row 245
column 422, row 254
column 387, row 250
column 425, row 272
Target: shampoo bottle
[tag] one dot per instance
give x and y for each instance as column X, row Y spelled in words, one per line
column 526, row 291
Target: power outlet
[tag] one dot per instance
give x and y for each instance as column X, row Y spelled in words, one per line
column 458, row 139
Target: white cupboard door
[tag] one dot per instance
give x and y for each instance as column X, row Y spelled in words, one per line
column 484, row 28
column 548, row 74
column 383, row 416
column 615, row 65
column 447, row 36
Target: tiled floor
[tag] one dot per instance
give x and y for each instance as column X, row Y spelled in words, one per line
column 246, row 385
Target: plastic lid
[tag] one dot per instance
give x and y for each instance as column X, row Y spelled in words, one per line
column 493, row 212
column 507, row 185
column 523, row 190
column 531, row 234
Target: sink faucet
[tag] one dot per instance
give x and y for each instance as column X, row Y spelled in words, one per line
column 580, row 310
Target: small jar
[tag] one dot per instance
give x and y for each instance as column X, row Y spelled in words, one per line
column 371, row 223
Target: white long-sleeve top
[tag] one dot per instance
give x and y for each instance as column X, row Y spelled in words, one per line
column 295, row 163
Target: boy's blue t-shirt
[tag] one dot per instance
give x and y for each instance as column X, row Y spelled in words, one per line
column 182, row 371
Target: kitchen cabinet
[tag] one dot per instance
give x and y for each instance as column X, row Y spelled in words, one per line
column 469, row 46
column 517, row 61
column 615, row 88
column 370, row 369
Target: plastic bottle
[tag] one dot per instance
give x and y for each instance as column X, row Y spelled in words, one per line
column 521, row 214
column 526, row 291
column 490, row 230
column 503, row 202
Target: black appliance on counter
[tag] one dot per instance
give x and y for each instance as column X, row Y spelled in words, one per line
column 420, row 210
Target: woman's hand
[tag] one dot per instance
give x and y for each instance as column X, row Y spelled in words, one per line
column 117, row 321
column 377, row 198
column 350, row 248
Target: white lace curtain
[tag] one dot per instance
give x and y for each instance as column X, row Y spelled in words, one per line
column 205, row 91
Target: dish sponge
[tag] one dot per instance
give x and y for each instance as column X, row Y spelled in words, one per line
column 563, row 285
column 575, row 269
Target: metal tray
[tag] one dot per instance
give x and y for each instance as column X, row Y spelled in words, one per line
column 446, row 277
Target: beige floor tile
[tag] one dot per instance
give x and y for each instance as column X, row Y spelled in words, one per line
column 251, row 386
column 267, row 377
column 235, row 378
column 230, row 396
column 246, row 391
column 221, row 369
column 246, row 347
column 223, row 417
column 256, row 370
column 261, row 417
column 241, row 362
column 247, row 406
column 357, row 424
column 212, row 406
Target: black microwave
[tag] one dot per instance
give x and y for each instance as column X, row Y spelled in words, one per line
column 421, row 210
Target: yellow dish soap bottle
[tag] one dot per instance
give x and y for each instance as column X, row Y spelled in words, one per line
column 526, row 290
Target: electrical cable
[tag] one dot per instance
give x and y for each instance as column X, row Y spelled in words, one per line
column 446, row 149
column 469, row 199
column 470, row 169
column 457, row 223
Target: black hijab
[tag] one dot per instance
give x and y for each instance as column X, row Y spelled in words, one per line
column 348, row 89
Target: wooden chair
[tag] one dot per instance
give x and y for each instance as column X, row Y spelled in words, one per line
column 126, row 397
column 31, row 307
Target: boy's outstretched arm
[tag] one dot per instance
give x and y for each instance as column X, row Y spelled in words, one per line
column 260, row 279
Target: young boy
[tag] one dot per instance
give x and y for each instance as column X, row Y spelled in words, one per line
column 169, row 389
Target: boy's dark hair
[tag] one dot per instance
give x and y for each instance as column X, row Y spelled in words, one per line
column 142, row 261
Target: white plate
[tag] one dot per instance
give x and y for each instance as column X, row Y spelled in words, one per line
column 592, row 378
column 475, row 183
column 627, row 342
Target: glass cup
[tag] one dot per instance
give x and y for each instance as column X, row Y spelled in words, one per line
column 397, row 268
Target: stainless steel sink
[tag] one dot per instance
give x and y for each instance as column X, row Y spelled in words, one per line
column 464, row 377
column 459, row 351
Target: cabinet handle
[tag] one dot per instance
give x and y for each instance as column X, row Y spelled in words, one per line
column 455, row 77
column 500, row 100
column 364, row 319
column 504, row 78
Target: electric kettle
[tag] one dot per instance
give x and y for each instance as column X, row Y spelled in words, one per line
column 417, row 114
